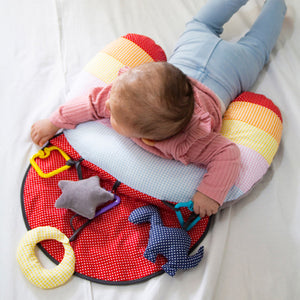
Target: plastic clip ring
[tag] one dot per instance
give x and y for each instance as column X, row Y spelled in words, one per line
column 104, row 209
column 193, row 220
column 44, row 153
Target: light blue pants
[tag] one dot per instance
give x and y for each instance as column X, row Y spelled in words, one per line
column 227, row 68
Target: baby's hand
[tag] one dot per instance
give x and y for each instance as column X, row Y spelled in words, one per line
column 204, row 206
column 42, row 131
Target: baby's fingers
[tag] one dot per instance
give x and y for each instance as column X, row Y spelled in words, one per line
column 203, row 213
column 34, row 135
column 42, row 142
column 196, row 208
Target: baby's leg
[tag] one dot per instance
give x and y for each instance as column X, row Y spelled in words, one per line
column 234, row 67
column 197, row 44
column 201, row 34
column 215, row 13
column 228, row 68
column 262, row 37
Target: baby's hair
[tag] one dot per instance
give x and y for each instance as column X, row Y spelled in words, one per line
column 157, row 99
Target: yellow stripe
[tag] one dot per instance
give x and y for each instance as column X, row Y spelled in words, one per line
column 250, row 136
column 104, row 66
column 127, row 52
column 256, row 115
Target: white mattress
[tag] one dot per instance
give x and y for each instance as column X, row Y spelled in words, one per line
column 252, row 248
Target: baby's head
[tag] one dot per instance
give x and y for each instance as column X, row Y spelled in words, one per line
column 153, row 101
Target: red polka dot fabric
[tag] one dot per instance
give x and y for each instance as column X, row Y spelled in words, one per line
column 109, row 249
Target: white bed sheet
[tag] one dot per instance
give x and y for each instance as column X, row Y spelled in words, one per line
column 252, row 249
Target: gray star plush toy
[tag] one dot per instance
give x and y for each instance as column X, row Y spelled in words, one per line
column 83, row 196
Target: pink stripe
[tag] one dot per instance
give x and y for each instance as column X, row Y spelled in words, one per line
column 253, row 168
column 83, row 85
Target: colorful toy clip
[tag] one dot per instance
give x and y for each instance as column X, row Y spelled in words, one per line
column 44, row 153
column 100, row 211
column 109, row 206
column 193, row 218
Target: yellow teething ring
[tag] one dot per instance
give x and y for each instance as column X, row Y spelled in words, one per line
column 31, row 267
column 44, row 153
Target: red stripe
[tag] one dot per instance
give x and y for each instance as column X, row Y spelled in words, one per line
column 260, row 100
column 148, row 45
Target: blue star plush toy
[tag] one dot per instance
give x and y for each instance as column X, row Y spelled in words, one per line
column 83, row 196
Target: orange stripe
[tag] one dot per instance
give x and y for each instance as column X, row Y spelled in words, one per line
column 255, row 115
column 127, row 52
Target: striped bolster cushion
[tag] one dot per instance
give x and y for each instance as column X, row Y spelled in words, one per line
column 130, row 50
column 252, row 121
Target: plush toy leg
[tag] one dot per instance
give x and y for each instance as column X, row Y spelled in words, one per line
column 183, row 263
column 150, row 254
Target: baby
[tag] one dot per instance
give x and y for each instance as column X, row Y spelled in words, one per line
column 175, row 109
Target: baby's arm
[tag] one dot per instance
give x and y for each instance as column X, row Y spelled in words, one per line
column 222, row 160
column 68, row 116
column 82, row 109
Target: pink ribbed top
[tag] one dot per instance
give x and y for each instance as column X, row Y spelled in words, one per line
column 199, row 143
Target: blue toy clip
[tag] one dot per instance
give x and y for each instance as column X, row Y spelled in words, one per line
column 193, row 218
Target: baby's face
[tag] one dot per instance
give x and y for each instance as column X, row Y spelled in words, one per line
column 118, row 117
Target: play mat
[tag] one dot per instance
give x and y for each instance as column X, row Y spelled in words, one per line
column 138, row 230
column 251, row 249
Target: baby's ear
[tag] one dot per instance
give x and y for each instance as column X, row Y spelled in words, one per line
column 148, row 142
